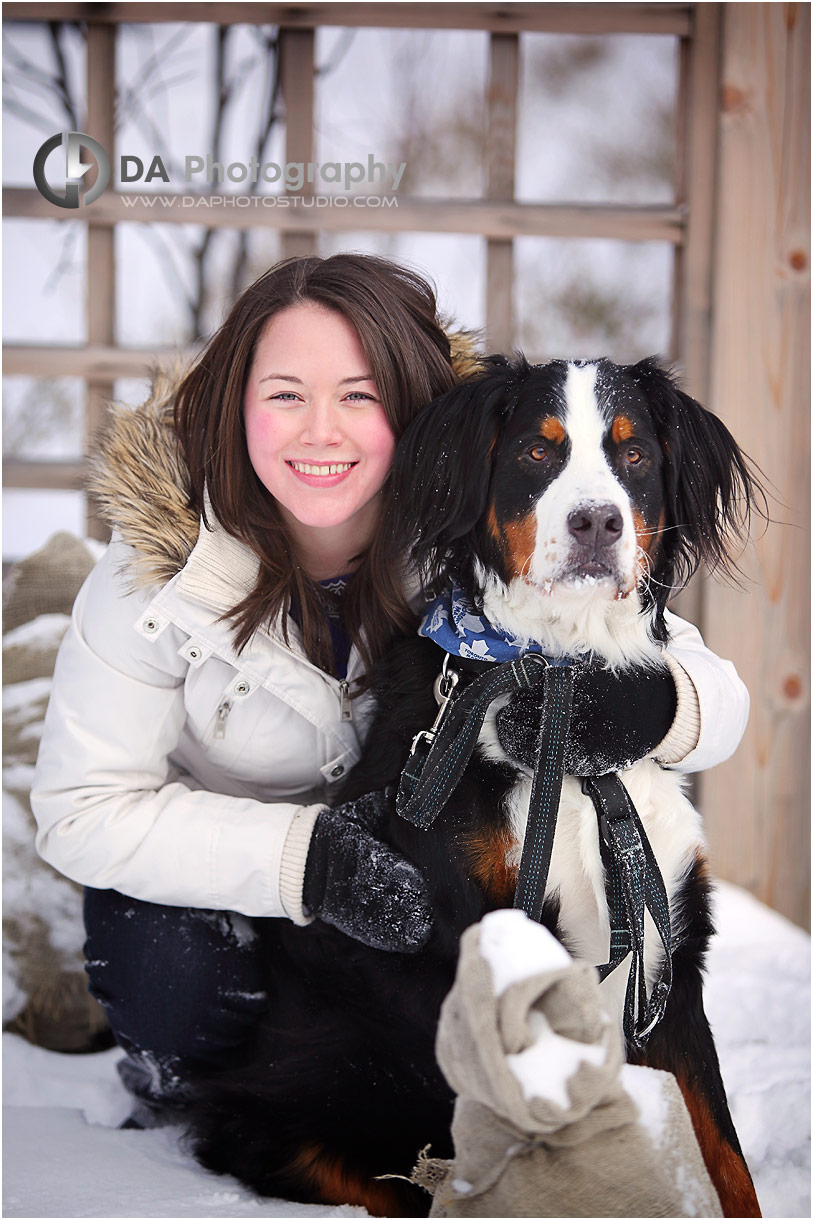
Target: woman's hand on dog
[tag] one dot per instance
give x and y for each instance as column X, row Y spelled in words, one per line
column 618, row 718
column 362, row 886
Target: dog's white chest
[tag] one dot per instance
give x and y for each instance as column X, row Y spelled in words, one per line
column 576, row 875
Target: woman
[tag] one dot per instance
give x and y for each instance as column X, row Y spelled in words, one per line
column 201, row 709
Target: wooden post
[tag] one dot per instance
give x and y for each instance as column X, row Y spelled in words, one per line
column 501, row 143
column 101, row 272
column 296, row 50
column 695, row 186
column 757, row 807
column 695, row 189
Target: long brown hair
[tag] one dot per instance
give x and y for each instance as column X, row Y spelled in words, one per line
column 394, row 313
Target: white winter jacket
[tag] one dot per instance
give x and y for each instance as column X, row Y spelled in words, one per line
column 177, row 772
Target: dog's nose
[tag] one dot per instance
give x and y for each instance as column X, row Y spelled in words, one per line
column 596, row 526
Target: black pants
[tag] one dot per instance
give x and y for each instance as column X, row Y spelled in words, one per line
column 182, row 987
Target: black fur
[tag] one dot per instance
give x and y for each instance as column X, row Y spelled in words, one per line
column 344, row 1061
column 682, row 1042
column 711, row 485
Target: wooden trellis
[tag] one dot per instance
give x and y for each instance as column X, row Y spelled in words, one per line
column 739, row 307
column 498, row 217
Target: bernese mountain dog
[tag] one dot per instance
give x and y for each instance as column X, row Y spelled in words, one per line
column 567, row 501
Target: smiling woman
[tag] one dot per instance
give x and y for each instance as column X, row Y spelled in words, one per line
column 211, row 691
column 313, row 345
column 318, row 436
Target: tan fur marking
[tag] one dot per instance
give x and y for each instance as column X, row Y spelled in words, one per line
column 647, row 538
column 336, row 1183
column 727, row 1170
column 623, row 429
column 492, row 524
column 552, row 429
column 520, row 540
column 486, row 851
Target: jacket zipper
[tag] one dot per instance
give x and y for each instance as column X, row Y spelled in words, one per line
column 345, row 707
column 221, row 716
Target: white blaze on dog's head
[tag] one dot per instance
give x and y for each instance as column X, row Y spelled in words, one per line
column 585, row 531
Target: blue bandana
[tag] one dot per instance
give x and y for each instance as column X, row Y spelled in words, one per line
column 460, row 628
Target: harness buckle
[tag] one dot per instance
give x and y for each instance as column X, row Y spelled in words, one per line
column 443, row 690
column 444, row 686
column 519, row 671
column 426, row 734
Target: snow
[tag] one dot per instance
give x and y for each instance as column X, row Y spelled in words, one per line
column 44, row 631
column 645, row 1087
column 129, row 1173
column 544, row 1068
column 515, row 947
column 20, row 695
column 70, row 1105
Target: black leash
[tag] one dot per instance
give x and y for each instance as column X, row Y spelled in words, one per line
column 546, row 789
column 634, row 884
column 439, row 755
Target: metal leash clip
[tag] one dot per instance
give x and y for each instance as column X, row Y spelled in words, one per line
column 443, row 690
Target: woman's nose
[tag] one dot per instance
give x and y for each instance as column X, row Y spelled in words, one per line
column 321, row 425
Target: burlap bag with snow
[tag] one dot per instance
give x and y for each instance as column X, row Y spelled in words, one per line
column 549, row 1120
column 45, row 995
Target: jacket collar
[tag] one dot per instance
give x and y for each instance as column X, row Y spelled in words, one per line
column 221, row 570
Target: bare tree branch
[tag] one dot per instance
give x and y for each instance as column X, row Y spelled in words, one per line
column 273, row 80
column 167, row 261
column 200, row 253
column 66, row 261
column 62, row 83
column 40, row 121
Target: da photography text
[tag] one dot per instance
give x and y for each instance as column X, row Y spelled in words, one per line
column 61, row 179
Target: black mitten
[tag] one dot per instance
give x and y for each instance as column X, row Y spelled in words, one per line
column 617, row 719
column 360, row 885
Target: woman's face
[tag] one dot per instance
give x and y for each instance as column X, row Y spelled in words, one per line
column 317, row 434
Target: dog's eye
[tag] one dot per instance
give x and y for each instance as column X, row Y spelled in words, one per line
column 634, row 455
column 539, row 453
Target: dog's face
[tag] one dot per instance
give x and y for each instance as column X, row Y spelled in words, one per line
column 577, row 489
column 546, row 489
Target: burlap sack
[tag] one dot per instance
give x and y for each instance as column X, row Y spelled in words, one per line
column 45, row 995
column 543, row 1124
column 47, row 581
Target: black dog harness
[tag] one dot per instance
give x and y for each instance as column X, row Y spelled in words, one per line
column 632, row 878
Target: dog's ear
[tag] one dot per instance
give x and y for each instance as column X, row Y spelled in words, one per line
column 441, row 473
column 711, row 485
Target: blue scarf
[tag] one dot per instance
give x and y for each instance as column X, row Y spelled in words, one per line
column 460, row 628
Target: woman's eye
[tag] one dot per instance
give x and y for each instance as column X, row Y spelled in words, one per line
column 539, row 453
column 284, row 396
column 358, row 396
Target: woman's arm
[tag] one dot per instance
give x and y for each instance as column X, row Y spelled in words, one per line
column 713, row 702
column 111, row 813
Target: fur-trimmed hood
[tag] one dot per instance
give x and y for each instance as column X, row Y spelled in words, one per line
column 140, row 482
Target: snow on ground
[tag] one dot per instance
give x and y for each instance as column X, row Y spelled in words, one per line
column 64, row 1156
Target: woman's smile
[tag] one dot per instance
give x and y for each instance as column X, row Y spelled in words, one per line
column 321, row 474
